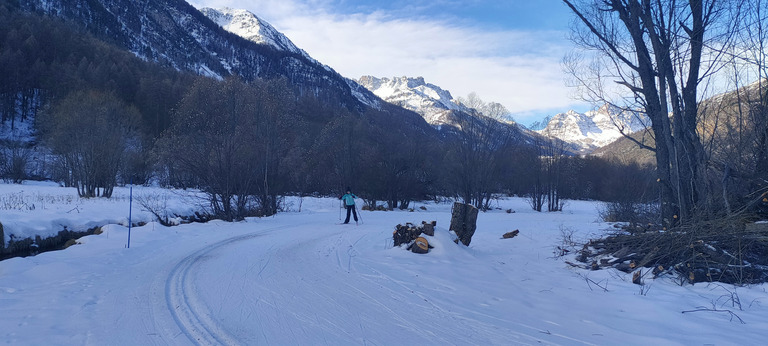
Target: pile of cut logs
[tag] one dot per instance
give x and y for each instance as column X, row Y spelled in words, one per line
column 411, row 234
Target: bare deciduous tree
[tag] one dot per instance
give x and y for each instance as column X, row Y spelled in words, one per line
column 212, row 139
column 660, row 52
column 89, row 130
column 492, row 110
column 476, row 156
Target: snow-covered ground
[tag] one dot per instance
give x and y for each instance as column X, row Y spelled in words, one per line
column 45, row 208
column 300, row 278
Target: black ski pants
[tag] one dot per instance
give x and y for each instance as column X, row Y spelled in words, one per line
column 351, row 208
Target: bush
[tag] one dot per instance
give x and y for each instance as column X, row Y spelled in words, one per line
column 632, row 212
column 14, row 162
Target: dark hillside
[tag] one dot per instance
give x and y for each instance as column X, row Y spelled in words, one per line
column 628, row 151
column 173, row 33
column 48, row 63
column 43, row 59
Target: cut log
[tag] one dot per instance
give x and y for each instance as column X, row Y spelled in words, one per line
column 429, row 228
column 637, row 277
column 420, row 245
column 401, row 235
column 510, row 234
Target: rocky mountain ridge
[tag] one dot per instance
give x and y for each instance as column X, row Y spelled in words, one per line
column 222, row 42
column 583, row 131
column 250, row 27
column 433, row 103
column 593, row 129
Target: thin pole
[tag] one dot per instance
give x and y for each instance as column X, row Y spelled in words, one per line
column 358, row 214
column 130, row 210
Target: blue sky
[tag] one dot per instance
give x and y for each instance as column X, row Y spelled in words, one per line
column 493, row 15
column 506, row 51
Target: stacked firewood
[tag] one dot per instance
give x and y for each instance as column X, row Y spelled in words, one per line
column 411, row 234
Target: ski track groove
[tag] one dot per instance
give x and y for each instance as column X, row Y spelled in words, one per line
column 187, row 311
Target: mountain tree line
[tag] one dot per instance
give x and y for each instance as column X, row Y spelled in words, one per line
column 109, row 118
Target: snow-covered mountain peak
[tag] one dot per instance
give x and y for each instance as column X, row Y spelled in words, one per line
column 571, row 114
column 249, row 26
column 415, row 94
column 593, row 129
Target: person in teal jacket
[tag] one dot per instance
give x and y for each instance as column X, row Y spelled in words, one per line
column 349, row 203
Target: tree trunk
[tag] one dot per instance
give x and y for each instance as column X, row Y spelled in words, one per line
column 464, row 221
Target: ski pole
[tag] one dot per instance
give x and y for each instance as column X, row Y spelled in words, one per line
column 360, row 216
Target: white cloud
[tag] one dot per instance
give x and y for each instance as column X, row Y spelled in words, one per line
column 519, row 69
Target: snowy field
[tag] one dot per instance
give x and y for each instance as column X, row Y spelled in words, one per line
column 300, row 278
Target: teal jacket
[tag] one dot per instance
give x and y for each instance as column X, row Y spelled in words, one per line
column 349, row 199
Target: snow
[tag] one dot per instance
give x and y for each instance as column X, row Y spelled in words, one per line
column 429, row 100
column 250, row 27
column 300, row 278
column 594, row 129
column 22, row 131
column 45, row 208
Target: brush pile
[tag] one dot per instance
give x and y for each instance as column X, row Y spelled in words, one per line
column 729, row 251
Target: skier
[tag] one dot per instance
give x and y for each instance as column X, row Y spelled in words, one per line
column 349, row 203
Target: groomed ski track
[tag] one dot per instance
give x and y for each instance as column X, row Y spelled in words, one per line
column 217, row 298
column 187, row 309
